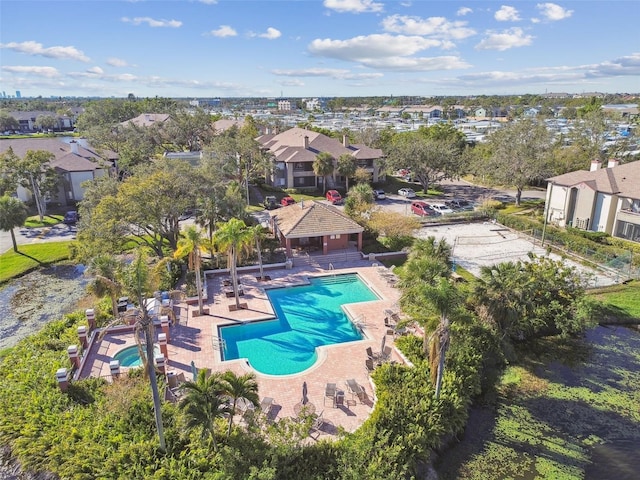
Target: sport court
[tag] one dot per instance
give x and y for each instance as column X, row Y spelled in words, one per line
column 477, row 245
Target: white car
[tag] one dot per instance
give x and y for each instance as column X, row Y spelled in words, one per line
column 441, row 208
column 379, row 194
column 407, row 192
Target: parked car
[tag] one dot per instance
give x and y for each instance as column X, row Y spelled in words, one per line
column 70, row 218
column 407, row 192
column 441, row 208
column 379, row 194
column 287, row 201
column 334, row 197
column 270, row 202
column 423, row 209
column 459, row 205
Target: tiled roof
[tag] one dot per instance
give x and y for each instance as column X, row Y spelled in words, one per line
column 289, row 146
column 147, row 119
column 312, row 219
column 225, row 124
column 85, row 160
column 621, row 180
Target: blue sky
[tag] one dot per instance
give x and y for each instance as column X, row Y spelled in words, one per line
column 313, row 48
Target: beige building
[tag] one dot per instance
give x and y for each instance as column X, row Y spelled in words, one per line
column 600, row 200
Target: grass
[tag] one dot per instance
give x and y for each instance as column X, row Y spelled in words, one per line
column 31, row 256
column 620, row 301
column 48, row 220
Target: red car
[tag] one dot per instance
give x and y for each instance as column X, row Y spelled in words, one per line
column 287, row 201
column 422, row 209
column 334, row 197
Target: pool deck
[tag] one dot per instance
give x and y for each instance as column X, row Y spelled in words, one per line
column 192, row 338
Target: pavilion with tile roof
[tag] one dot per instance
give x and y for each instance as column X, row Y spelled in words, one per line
column 314, row 225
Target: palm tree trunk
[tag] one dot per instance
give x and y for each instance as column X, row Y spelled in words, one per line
column 234, row 276
column 199, row 288
column 260, row 259
column 440, row 370
column 13, row 239
column 153, row 380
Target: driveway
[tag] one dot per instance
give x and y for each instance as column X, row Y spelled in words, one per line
column 25, row 236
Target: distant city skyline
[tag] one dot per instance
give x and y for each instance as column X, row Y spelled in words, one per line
column 314, row 48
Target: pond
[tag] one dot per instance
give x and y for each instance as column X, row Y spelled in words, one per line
column 29, row 302
column 573, row 415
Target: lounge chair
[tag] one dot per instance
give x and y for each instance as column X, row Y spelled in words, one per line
column 386, row 353
column 318, row 422
column 266, row 404
column 369, row 363
column 356, row 390
column 330, row 392
column 370, row 353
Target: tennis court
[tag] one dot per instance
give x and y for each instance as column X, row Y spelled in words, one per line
column 484, row 244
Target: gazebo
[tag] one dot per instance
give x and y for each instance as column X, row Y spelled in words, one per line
column 314, row 226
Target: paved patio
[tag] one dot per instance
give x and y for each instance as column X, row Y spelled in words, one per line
column 193, row 338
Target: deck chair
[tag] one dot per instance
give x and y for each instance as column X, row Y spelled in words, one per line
column 356, row 390
column 386, row 353
column 266, row 404
column 369, row 363
column 318, row 422
column 370, row 353
column 330, row 392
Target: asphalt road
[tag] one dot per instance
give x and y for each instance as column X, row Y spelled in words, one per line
column 393, row 202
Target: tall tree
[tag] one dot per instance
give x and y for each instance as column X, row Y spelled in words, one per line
column 203, row 404
column 234, row 237
column 347, row 165
column 13, row 213
column 138, row 282
column 430, row 159
column 190, row 246
column 106, row 269
column 8, row 122
column 520, row 155
column 323, row 166
column 240, row 387
column 258, row 232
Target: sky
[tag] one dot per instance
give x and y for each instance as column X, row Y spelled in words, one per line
column 317, row 48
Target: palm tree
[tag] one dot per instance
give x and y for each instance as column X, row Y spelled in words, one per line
column 239, row 387
column 204, row 403
column 136, row 279
column 258, row 235
column 13, row 214
column 323, row 166
column 443, row 299
column 234, row 237
column 430, row 247
column 106, row 269
column 346, row 167
column 190, row 245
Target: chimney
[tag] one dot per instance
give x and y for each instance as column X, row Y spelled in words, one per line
column 613, row 162
column 306, row 142
column 595, row 165
column 74, row 146
column 345, row 141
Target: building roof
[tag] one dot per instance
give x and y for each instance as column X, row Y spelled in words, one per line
column 312, row 219
column 621, row 180
column 290, row 146
column 65, row 159
column 225, row 124
column 147, row 119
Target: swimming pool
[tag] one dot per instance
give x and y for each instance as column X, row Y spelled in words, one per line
column 308, row 316
column 130, row 356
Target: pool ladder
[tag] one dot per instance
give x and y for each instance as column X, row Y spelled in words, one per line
column 218, row 343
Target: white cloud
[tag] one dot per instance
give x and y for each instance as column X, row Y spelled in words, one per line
column 417, row 64
column 336, row 73
column 208, row 2
column 623, row 66
column 513, row 37
column 507, row 14
column 291, row 83
column 117, row 62
column 152, row 22
column 462, row 11
column 438, row 27
column 224, row 31
column 47, row 72
column 35, row 48
column 353, row 6
column 371, row 46
column 553, row 12
column 271, row 34
column 95, row 70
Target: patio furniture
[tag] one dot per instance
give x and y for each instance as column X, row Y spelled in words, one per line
column 370, row 353
column 386, row 354
column 356, row 390
column 330, row 392
column 318, row 422
column 243, row 405
column 369, row 364
column 266, row 404
column 303, row 409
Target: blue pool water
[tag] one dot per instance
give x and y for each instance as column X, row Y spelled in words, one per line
column 130, row 356
column 307, row 317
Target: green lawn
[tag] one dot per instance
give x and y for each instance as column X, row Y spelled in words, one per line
column 13, row 264
column 620, row 301
column 48, row 220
